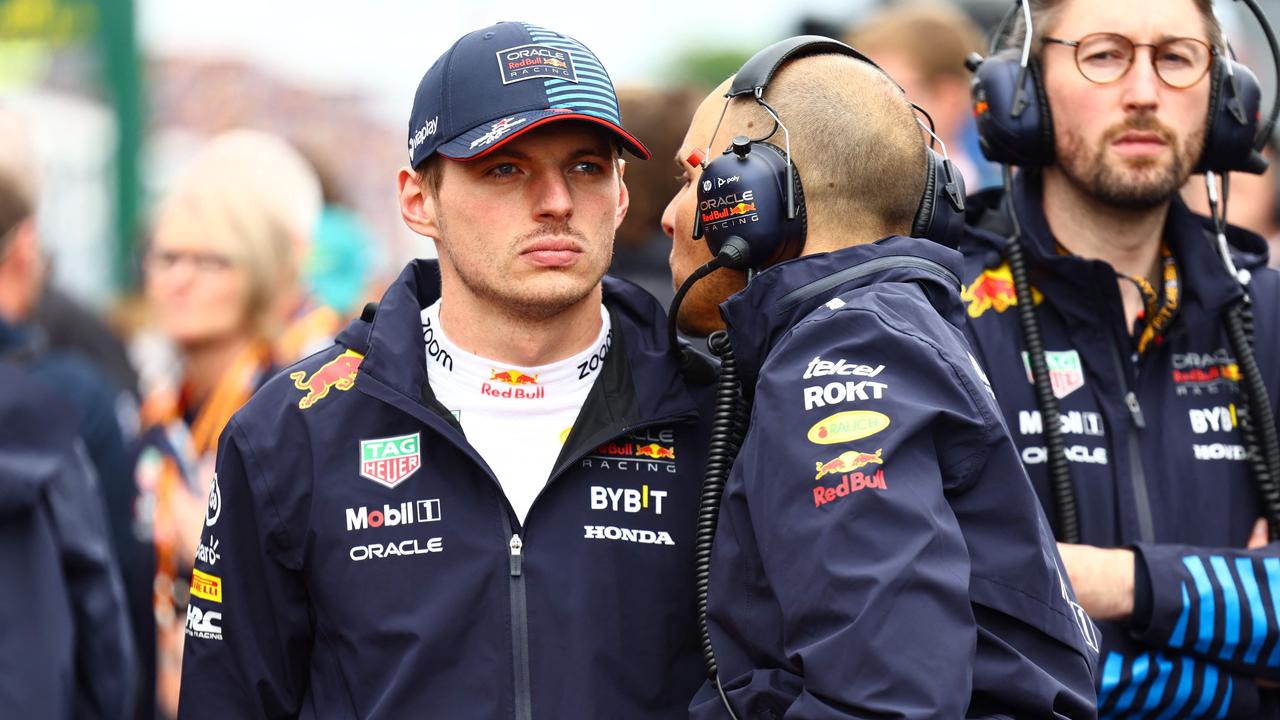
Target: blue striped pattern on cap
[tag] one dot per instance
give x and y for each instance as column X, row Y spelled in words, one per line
column 593, row 93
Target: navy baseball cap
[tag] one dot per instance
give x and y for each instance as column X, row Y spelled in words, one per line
column 502, row 81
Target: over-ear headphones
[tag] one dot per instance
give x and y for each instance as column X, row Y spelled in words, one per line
column 1015, row 126
column 751, row 195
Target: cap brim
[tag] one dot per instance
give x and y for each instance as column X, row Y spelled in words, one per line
column 475, row 142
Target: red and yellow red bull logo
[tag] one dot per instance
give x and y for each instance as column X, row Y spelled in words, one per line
column 980, row 108
column 847, row 462
column 741, row 208
column 656, row 451
column 339, row 373
column 849, row 483
column 512, row 377
column 993, row 290
column 517, row 383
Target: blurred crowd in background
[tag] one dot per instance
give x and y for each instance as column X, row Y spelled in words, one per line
column 174, row 228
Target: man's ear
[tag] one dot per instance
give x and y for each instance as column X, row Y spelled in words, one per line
column 417, row 206
column 624, row 196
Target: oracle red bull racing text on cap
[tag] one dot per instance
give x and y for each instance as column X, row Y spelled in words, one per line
column 499, row 82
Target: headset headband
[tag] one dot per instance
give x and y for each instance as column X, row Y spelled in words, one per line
column 757, row 72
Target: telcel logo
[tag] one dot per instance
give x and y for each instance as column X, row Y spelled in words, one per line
column 406, row 513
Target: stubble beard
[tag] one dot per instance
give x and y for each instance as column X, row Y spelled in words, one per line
column 553, row 293
column 1129, row 183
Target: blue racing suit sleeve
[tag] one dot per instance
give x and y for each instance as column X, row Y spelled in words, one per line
column 249, row 636
column 864, row 553
column 1219, row 605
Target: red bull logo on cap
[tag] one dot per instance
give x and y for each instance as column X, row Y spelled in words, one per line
column 339, row 373
column 993, row 290
column 847, row 462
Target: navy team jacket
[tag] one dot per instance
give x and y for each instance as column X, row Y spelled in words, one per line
column 880, row 552
column 1156, row 458
column 360, row 560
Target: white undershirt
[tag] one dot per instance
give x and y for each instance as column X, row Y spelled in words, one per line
column 517, row 418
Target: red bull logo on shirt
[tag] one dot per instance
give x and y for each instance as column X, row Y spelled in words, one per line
column 655, row 451
column 517, row 382
column 849, row 483
column 847, row 462
column 993, row 290
column 339, row 373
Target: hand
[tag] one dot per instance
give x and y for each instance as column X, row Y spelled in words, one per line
column 1259, row 537
column 1102, row 578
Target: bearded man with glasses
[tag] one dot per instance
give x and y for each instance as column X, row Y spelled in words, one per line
column 1129, row 299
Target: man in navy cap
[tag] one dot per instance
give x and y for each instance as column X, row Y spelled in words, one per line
column 480, row 503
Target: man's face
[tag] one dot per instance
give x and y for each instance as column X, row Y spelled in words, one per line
column 1131, row 143
column 529, row 227
column 698, row 313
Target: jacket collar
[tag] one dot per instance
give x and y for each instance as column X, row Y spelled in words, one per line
column 778, row 298
column 1206, row 286
column 393, row 350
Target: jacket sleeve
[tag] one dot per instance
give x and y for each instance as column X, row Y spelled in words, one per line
column 1222, row 605
column 105, row 657
column 1165, row 683
column 863, row 552
column 249, row 636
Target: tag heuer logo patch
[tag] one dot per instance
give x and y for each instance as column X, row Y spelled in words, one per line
column 1066, row 375
column 526, row 62
column 388, row 461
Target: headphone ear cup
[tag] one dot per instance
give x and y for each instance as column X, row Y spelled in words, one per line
column 924, row 214
column 1231, row 128
column 940, row 217
column 1012, row 118
column 745, row 196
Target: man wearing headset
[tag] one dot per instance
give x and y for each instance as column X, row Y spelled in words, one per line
column 1157, row 509
column 879, row 551
column 481, row 503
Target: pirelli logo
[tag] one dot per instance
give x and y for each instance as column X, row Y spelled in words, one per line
column 206, row 586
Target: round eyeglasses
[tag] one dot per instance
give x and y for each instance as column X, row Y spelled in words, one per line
column 1105, row 57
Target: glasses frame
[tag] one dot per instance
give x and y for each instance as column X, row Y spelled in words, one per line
column 1076, row 44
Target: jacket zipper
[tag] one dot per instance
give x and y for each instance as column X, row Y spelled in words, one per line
column 523, row 693
column 1137, row 473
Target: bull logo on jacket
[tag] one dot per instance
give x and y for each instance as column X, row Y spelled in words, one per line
column 339, row 373
column 993, row 290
